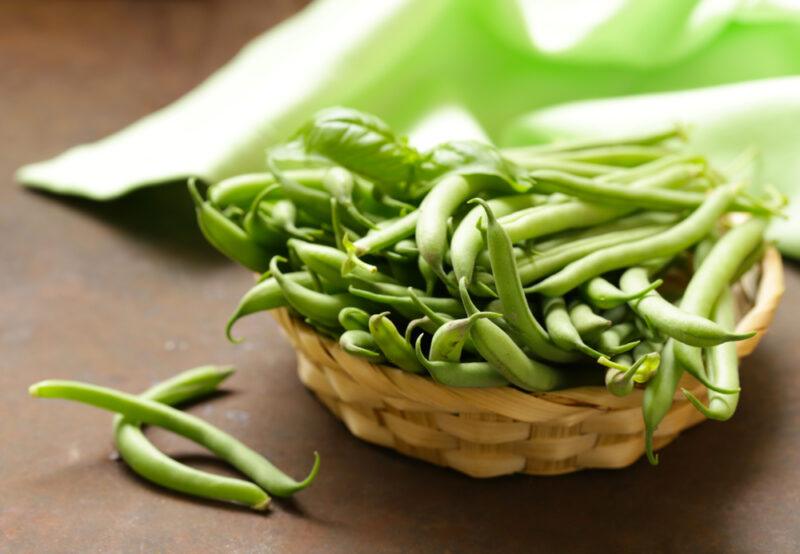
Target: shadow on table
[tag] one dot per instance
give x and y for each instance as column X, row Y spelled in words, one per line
column 161, row 217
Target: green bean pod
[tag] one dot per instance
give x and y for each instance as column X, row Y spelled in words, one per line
column 151, row 464
column 340, row 185
column 266, row 295
column 450, row 338
column 516, row 311
column 611, row 341
column 314, row 201
column 561, row 330
column 329, row 263
column 672, row 321
column 460, row 374
column 353, row 319
column 226, row 236
column 722, row 366
column 317, row 306
column 467, row 240
column 361, row 343
column 241, row 190
column 601, row 293
column 386, row 235
column 624, row 155
column 406, row 306
column 436, row 208
column 588, row 324
column 246, row 460
column 709, row 280
column 502, row 353
column 658, row 396
column 670, row 242
column 393, row 345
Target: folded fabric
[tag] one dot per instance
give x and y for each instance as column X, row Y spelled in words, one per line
column 450, row 69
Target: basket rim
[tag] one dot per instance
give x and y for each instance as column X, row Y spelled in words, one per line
column 393, row 383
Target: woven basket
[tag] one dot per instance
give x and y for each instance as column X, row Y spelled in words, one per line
column 497, row 431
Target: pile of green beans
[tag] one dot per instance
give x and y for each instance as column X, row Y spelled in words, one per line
column 541, row 267
column 154, row 407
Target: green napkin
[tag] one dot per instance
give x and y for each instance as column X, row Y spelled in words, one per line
column 445, row 69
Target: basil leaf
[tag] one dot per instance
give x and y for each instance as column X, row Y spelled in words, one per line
column 470, row 157
column 363, row 144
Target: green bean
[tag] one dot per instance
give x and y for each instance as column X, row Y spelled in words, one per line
column 609, row 193
column 353, row 319
column 284, row 215
column 706, row 285
column 390, row 233
column 723, row 367
column 605, row 296
column 634, row 221
column 320, row 307
column 588, row 324
column 450, row 339
column 467, row 238
column 249, row 462
column 649, row 138
column 225, row 236
column 460, row 374
column 516, row 310
column 611, row 340
column 621, row 382
column 393, row 345
column 312, row 200
column 259, row 228
column 241, row 190
column 405, row 305
column 668, row 243
column 658, row 396
column 266, row 295
column 329, row 263
column 340, row 185
column 560, row 328
column 361, row 343
column 673, row 163
column 437, row 207
column 151, row 464
column 586, row 169
column 614, row 155
column 497, row 348
column 552, row 218
column 547, row 263
column 672, row 321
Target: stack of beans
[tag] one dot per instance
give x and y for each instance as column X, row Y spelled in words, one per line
column 542, row 267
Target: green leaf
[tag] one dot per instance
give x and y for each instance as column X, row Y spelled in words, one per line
column 469, row 157
column 363, row 144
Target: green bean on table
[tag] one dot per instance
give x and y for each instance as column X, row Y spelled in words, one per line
column 153, row 465
column 246, row 460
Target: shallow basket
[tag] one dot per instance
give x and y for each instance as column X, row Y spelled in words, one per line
column 497, row 431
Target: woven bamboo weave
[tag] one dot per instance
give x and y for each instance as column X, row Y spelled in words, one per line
column 497, row 431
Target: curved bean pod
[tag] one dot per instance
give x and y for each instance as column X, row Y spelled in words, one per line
column 246, row 460
column 406, row 306
column 561, row 330
column 393, row 345
column 361, row 343
column 266, row 295
column 722, row 366
column 502, row 353
column 460, row 374
column 516, row 311
column 670, row 320
column 354, row 319
column 588, row 324
column 317, row 306
column 153, row 465
column 606, row 296
column 710, row 279
column 467, row 240
column 226, row 236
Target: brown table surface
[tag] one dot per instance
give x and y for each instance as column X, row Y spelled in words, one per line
column 127, row 292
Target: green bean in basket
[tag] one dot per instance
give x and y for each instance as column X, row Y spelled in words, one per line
column 590, row 238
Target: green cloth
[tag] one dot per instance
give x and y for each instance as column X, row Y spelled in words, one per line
column 443, row 69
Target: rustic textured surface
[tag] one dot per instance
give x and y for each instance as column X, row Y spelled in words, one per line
column 127, row 293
